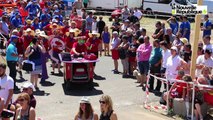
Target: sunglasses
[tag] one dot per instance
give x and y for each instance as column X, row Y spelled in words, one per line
column 21, row 100
column 102, row 102
column 25, row 89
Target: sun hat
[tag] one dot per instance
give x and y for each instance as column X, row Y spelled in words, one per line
column 28, row 85
column 15, row 31
column 43, row 34
column 29, row 30
column 85, row 100
column 184, row 40
column 174, row 48
column 94, row 33
column 75, row 31
column 28, row 21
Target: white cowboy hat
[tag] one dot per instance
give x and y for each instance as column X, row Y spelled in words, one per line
column 76, row 32
column 94, row 33
column 43, row 34
column 85, row 100
column 29, row 30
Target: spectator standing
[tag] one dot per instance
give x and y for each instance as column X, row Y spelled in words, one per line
column 78, row 5
column 158, row 34
column 106, row 105
column 207, row 26
column 89, row 21
column 33, row 7
column 86, row 111
column 207, row 43
column 106, row 40
column 155, row 65
column 16, row 21
column 12, row 58
column 123, row 47
column 166, row 53
column 187, row 28
column 85, row 2
column 116, row 25
column 7, row 85
column 204, row 60
column 174, row 25
column 138, row 13
column 94, row 24
column 100, row 25
column 142, row 55
column 125, row 13
column 114, row 49
column 171, row 35
column 33, row 52
column 174, row 64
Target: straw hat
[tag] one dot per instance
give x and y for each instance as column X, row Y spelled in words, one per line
column 43, row 34
column 94, row 33
column 75, row 31
column 28, row 21
column 184, row 40
column 29, row 30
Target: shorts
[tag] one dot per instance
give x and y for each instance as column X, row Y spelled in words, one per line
column 132, row 59
column 143, row 67
column 115, row 54
column 56, row 56
column 38, row 70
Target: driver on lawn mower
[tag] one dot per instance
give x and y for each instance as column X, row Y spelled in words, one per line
column 79, row 48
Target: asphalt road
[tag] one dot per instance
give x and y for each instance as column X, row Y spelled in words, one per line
column 54, row 103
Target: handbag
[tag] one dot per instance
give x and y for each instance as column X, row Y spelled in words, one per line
column 7, row 113
column 28, row 65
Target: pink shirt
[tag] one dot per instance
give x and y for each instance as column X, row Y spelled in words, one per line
column 144, row 52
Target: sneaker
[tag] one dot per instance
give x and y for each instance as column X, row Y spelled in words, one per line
column 16, row 88
column 115, row 72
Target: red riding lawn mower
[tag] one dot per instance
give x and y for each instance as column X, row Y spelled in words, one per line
column 116, row 14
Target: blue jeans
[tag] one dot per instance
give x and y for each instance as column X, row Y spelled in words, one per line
column 143, row 67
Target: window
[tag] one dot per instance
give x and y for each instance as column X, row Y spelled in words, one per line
column 164, row 1
column 182, row 2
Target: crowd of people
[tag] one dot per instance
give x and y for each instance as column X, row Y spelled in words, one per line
column 38, row 31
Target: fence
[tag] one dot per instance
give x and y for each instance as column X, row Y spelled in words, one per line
column 163, row 80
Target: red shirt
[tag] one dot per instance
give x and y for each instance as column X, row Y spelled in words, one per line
column 78, row 21
column 69, row 42
column 27, row 40
column 19, row 46
column 1, row 12
column 93, row 43
column 65, row 29
column 180, row 86
column 79, row 48
column 48, row 29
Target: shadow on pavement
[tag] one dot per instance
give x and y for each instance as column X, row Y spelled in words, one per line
column 81, row 91
column 98, row 77
column 21, row 80
column 40, row 93
column 47, row 84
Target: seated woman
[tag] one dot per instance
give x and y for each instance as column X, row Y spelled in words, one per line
column 204, row 79
column 25, row 112
column 85, row 110
column 79, row 48
column 178, row 89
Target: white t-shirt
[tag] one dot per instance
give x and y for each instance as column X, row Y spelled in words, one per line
column 138, row 14
column 115, row 43
column 166, row 54
column 6, row 84
column 202, row 61
column 171, row 67
column 94, row 26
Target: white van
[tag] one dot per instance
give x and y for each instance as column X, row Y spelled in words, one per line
column 113, row 4
column 164, row 6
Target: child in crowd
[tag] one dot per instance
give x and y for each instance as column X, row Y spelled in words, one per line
column 106, row 40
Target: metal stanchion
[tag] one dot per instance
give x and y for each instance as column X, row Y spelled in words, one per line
column 193, row 97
